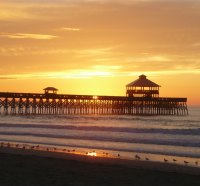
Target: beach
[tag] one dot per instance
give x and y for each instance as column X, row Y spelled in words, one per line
column 100, row 150
column 31, row 167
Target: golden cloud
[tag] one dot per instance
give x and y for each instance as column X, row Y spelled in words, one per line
column 28, row 36
column 69, row 29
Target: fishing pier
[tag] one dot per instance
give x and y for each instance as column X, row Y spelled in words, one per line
column 142, row 98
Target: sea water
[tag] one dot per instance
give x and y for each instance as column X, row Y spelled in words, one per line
column 150, row 137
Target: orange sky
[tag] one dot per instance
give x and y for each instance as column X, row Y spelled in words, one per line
column 99, row 46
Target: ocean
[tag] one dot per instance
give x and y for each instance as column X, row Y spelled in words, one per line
column 175, row 139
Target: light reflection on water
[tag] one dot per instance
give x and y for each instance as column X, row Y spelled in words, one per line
column 170, row 159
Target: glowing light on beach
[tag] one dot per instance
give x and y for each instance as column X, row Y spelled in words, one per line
column 92, row 154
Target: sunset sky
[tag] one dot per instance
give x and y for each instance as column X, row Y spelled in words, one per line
column 99, row 46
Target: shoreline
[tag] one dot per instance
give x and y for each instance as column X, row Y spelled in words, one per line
column 135, row 164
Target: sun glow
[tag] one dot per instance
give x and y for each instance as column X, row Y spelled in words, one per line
column 99, row 54
column 95, row 97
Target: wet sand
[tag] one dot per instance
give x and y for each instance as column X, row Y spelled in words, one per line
column 30, row 167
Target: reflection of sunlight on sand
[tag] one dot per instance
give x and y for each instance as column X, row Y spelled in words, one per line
column 91, row 153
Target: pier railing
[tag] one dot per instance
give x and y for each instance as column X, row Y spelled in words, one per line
column 67, row 104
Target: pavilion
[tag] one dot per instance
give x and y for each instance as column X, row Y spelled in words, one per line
column 142, row 87
column 50, row 90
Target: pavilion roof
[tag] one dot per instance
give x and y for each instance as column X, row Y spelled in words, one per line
column 51, row 88
column 142, row 82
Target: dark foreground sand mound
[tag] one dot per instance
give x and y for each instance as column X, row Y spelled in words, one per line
column 23, row 170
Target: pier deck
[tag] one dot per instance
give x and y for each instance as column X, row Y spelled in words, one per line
column 67, row 104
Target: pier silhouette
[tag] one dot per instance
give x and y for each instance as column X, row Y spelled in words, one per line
column 142, row 98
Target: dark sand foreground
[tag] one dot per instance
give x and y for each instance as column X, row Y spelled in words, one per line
column 32, row 170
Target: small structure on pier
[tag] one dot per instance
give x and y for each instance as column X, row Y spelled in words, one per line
column 142, row 87
column 50, row 90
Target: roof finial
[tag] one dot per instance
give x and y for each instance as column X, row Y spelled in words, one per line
column 142, row 76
